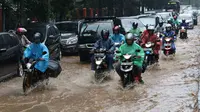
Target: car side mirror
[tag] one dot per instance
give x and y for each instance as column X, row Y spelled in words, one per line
column 3, row 50
column 138, row 50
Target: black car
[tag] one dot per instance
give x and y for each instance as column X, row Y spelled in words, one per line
column 9, row 55
column 90, row 30
column 50, row 36
column 69, row 38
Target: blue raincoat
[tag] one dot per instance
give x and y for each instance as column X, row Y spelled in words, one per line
column 35, row 51
column 117, row 38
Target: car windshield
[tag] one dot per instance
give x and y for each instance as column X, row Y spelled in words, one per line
column 187, row 17
column 148, row 21
column 165, row 16
column 32, row 31
column 67, row 27
column 127, row 24
column 96, row 27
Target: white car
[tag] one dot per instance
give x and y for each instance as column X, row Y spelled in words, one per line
column 188, row 18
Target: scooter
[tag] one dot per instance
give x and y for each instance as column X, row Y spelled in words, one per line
column 31, row 76
column 127, row 68
column 168, row 46
column 100, row 64
column 183, row 33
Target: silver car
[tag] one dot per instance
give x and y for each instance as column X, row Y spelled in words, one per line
column 188, row 18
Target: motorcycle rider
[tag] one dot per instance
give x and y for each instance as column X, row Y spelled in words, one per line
column 117, row 37
column 175, row 21
column 169, row 33
column 184, row 24
column 38, row 51
column 151, row 37
column 160, row 28
column 106, row 43
column 130, row 47
column 135, row 30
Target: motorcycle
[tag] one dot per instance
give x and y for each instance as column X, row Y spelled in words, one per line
column 183, row 33
column 100, row 64
column 127, row 68
column 149, row 57
column 168, row 46
column 31, row 76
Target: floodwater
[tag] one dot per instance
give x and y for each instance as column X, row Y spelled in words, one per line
column 170, row 87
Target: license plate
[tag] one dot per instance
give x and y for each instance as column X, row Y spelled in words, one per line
column 169, row 44
column 147, row 49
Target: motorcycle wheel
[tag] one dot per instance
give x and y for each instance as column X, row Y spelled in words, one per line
column 26, row 83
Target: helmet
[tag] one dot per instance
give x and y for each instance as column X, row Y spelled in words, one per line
column 129, row 38
column 168, row 27
column 21, row 31
column 105, row 34
column 183, row 20
column 161, row 23
column 37, row 37
column 169, row 21
column 175, row 17
column 116, row 29
column 135, row 24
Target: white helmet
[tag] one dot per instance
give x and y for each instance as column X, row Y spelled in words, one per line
column 168, row 27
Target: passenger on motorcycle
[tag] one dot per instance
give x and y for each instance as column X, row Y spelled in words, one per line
column 23, row 39
column 106, row 43
column 130, row 48
column 38, row 51
column 169, row 33
column 160, row 28
column 184, row 24
column 135, row 30
column 117, row 37
column 151, row 37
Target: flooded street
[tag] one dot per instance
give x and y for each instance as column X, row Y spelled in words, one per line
column 171, row 87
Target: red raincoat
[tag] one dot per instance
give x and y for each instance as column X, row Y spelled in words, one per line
column 154, row 39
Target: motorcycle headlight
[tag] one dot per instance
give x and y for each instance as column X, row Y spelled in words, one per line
column 28, row 65
column 98, row 62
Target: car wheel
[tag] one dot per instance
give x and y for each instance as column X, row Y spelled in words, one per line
column 20, row 71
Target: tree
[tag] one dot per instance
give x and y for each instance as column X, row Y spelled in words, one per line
column 62, row 7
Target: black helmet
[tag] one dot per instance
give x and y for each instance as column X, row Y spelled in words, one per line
column 160, row 23
column 37, row 37
column 105, row 34
column 135, row 25
column 183, row 20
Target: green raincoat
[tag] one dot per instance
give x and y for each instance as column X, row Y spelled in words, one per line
column 126, row 49
column 135, row 31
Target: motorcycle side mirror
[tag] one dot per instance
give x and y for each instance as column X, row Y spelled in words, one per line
column 118, row 51
column 138, row 50
column 44, row 53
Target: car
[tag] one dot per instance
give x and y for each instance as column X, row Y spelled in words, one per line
column 90, row 31
column 127, row 22
column 188, row 18
column 165, row 15
column 51, row 37
column 10, row 54
column 150, row 20
column 69, row 35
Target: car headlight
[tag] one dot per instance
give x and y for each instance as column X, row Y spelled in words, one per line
column 72, row 40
